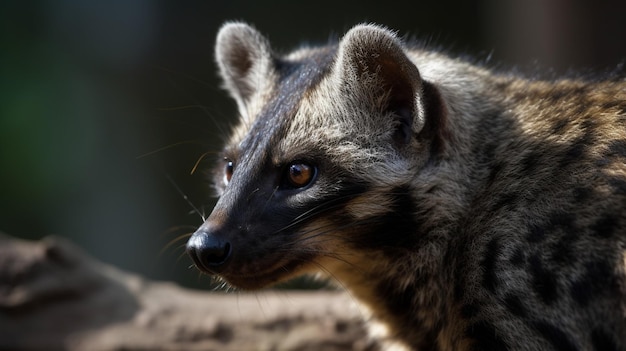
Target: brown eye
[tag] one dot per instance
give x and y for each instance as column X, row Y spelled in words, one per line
column 228, row 171
column 300, row 174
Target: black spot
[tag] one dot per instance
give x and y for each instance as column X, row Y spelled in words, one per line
column 506, row 201
column 394, row 229
column 572, row 155
column 617, row 148
column 563, row 251
column 496, row 169
column 563, row 220
column 575, row 151
column 530, row 162
column 581, row 292
column 486, row 337
column 559, row 126
column 556, row 220
column 582, row 194
column 470, row 310
column 518, row 258
column 515, row 305
column 488, row 152
column 536, row 233
column 488, row 263
column 618, row 184
column 609, row 105
column 558, row 338
column 556, row 96
column 582, row 110
column 543, row 282
column 605, row 226
column 602, row 341
column 589, row 126
column 597, row 279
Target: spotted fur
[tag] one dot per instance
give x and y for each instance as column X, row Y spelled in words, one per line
column 467, row 210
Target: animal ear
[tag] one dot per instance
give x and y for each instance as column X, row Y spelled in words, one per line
column 245, row 60
column 373, row 65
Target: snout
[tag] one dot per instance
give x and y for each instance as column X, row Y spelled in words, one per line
column 209, row 252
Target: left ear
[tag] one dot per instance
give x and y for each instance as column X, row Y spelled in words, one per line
column 245, row 60
column 372, row 64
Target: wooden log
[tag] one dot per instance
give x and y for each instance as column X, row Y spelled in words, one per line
column 55, row 297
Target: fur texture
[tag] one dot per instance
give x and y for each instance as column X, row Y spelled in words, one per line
column 467, row 210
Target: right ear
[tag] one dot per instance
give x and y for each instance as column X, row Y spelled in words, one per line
column 245, row 60
column 372, row 64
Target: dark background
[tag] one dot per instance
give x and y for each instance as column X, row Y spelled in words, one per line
column 106, row 106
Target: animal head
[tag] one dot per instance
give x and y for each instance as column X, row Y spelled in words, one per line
column 317, row 174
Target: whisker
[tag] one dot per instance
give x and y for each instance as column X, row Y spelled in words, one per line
column 187, row 76
column 195, row 166
column 319, row 231
column 168, row 147
column 260, row 306
column 306, row 213
column 180, row 108
column 270, row 198
column 174, row 241
column 329, row 254
column 336, row 279
column 180, row 257
column 169, row 231
column 319, row 209
column 341, row 284
column 203, row 108
column 252, row 193
column 184, row 196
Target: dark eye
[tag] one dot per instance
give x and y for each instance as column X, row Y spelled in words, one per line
column 228, row 171
column 300, row 174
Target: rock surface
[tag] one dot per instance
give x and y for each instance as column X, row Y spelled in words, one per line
column 55, row 297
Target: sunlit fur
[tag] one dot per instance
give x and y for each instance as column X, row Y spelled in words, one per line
column 465, row 209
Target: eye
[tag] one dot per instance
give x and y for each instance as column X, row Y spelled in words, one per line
column 300, row 174
column 228, row 171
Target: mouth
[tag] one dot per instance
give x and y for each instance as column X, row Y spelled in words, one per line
column 261, row 279
column 249, row 268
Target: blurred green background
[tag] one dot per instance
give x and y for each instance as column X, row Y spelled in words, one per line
column 105, row 106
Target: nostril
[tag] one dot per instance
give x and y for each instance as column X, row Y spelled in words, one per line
column 208, row 252
column 217, row 254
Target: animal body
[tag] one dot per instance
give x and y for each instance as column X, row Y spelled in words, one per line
column 465, row 209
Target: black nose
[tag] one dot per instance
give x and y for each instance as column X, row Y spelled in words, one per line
column 208, row 252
